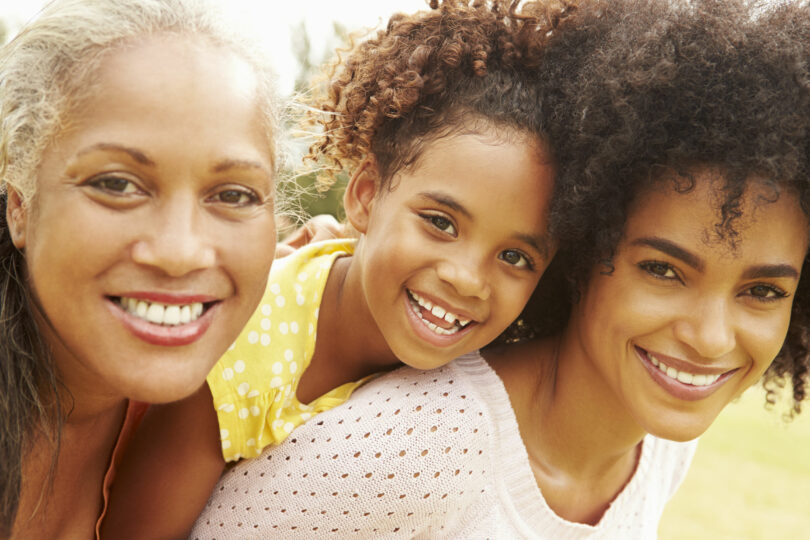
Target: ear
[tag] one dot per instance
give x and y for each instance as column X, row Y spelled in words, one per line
column 16, row 217
column 360, row 194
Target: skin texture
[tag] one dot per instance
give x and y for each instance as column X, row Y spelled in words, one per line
column 435, row 233
column 583, row 416
column 142, row 196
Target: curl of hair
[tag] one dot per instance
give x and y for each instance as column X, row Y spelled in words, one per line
column 461, row 66
column 660, row 89
column 46, row 73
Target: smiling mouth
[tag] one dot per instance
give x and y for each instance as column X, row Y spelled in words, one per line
column 453, row 322
column 162, row 314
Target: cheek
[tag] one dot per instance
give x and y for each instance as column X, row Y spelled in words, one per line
column 249, row 253
column 762, row 340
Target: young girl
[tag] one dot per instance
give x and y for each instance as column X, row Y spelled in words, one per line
column 121, row 180
column 450, row 192
column 692, row 284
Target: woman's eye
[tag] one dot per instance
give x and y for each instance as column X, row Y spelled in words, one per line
column 115, row 185
column 766, row 292
column 659, row 270
column 516, row 259
column 236, row 197
column 441, row 223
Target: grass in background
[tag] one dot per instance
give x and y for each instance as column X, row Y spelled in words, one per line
column 750, row 478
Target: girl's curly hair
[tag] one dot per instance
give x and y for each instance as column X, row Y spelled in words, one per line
column 654, row 89
column 428, row 75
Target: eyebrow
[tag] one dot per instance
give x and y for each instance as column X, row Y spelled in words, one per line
column 541, row 243
column 446, row 200
column 135, row 154
column 752, row 272
column 672, row 249
column 771, row 271
column 227, row 164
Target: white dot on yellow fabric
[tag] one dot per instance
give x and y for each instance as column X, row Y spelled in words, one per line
column 300, row 300
column 277, row 423
column 253, row 393
column 253, row 337
column 293, row 367
column 288, row 427
column 294, row 327
column 275, row 288
column 283, row 328
column 255, row 411
column 317, row 311
column 223, row 433
column 265, row 324
column 298, row 288
column 239, row 366
column 227, row 374
column 302, row 276
column 289, row 355
column 275, row 382
column 243, row 388
column 251, row 442
column 311, row 328
column 277, row 397
column 305, row 416
column 277, row 367
column 243, row 413
column 266, row 310
column 226, row 445
column 265, row 339
column 280, row 301
column 278, row 413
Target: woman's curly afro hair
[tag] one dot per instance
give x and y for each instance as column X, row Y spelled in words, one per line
column 652, row 89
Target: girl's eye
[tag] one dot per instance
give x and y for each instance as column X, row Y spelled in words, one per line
column 659, row 270
column 115, row 185
column 236, row 197
column 516, row 259
column 766, row 292
column 441, row 223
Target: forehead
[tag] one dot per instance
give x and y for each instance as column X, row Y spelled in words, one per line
column 765, row 219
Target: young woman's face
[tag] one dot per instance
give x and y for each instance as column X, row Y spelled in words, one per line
column 686, row 322
column 452, row 253
column 150, row 238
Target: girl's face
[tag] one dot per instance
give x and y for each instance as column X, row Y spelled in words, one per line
column 686, row 322
column 150, row 238
column 451, row 254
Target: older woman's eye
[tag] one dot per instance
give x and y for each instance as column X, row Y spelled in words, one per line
column 236, row 197
column 115, row 184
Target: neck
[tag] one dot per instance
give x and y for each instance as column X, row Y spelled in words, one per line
column 349, row 344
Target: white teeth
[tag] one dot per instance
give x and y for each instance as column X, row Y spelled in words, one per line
column 683, row 376
column 155, row 313
column 166, row 314
column 417, row 301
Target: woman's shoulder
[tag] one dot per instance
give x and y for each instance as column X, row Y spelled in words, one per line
column 409, row 453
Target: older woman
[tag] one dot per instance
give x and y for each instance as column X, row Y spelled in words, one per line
column 136, row 143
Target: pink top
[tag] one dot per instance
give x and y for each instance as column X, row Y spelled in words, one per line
column 133, row 416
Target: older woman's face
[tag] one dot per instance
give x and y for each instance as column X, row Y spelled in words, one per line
column 150, row 238
column 686, row 322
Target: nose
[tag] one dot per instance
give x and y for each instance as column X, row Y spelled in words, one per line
column 707, row 328
column 467, row 276
column 175, row 243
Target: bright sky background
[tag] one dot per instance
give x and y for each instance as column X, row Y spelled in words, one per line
column 275, row 21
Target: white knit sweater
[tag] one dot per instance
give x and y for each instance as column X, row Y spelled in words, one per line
column 433, row 454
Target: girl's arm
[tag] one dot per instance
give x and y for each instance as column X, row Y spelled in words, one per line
column 168, row 471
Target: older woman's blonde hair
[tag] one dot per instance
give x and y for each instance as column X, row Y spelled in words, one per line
column 48, row 70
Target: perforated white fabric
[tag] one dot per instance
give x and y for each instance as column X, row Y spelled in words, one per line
column 415, row 454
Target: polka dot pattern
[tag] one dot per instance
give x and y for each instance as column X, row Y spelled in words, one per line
column 254, row 383
column 434, row 454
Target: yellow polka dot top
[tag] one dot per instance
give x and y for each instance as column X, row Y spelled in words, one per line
column 254, row 383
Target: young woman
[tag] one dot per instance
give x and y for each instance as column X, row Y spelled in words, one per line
column 137, row 140
column 690, row 285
